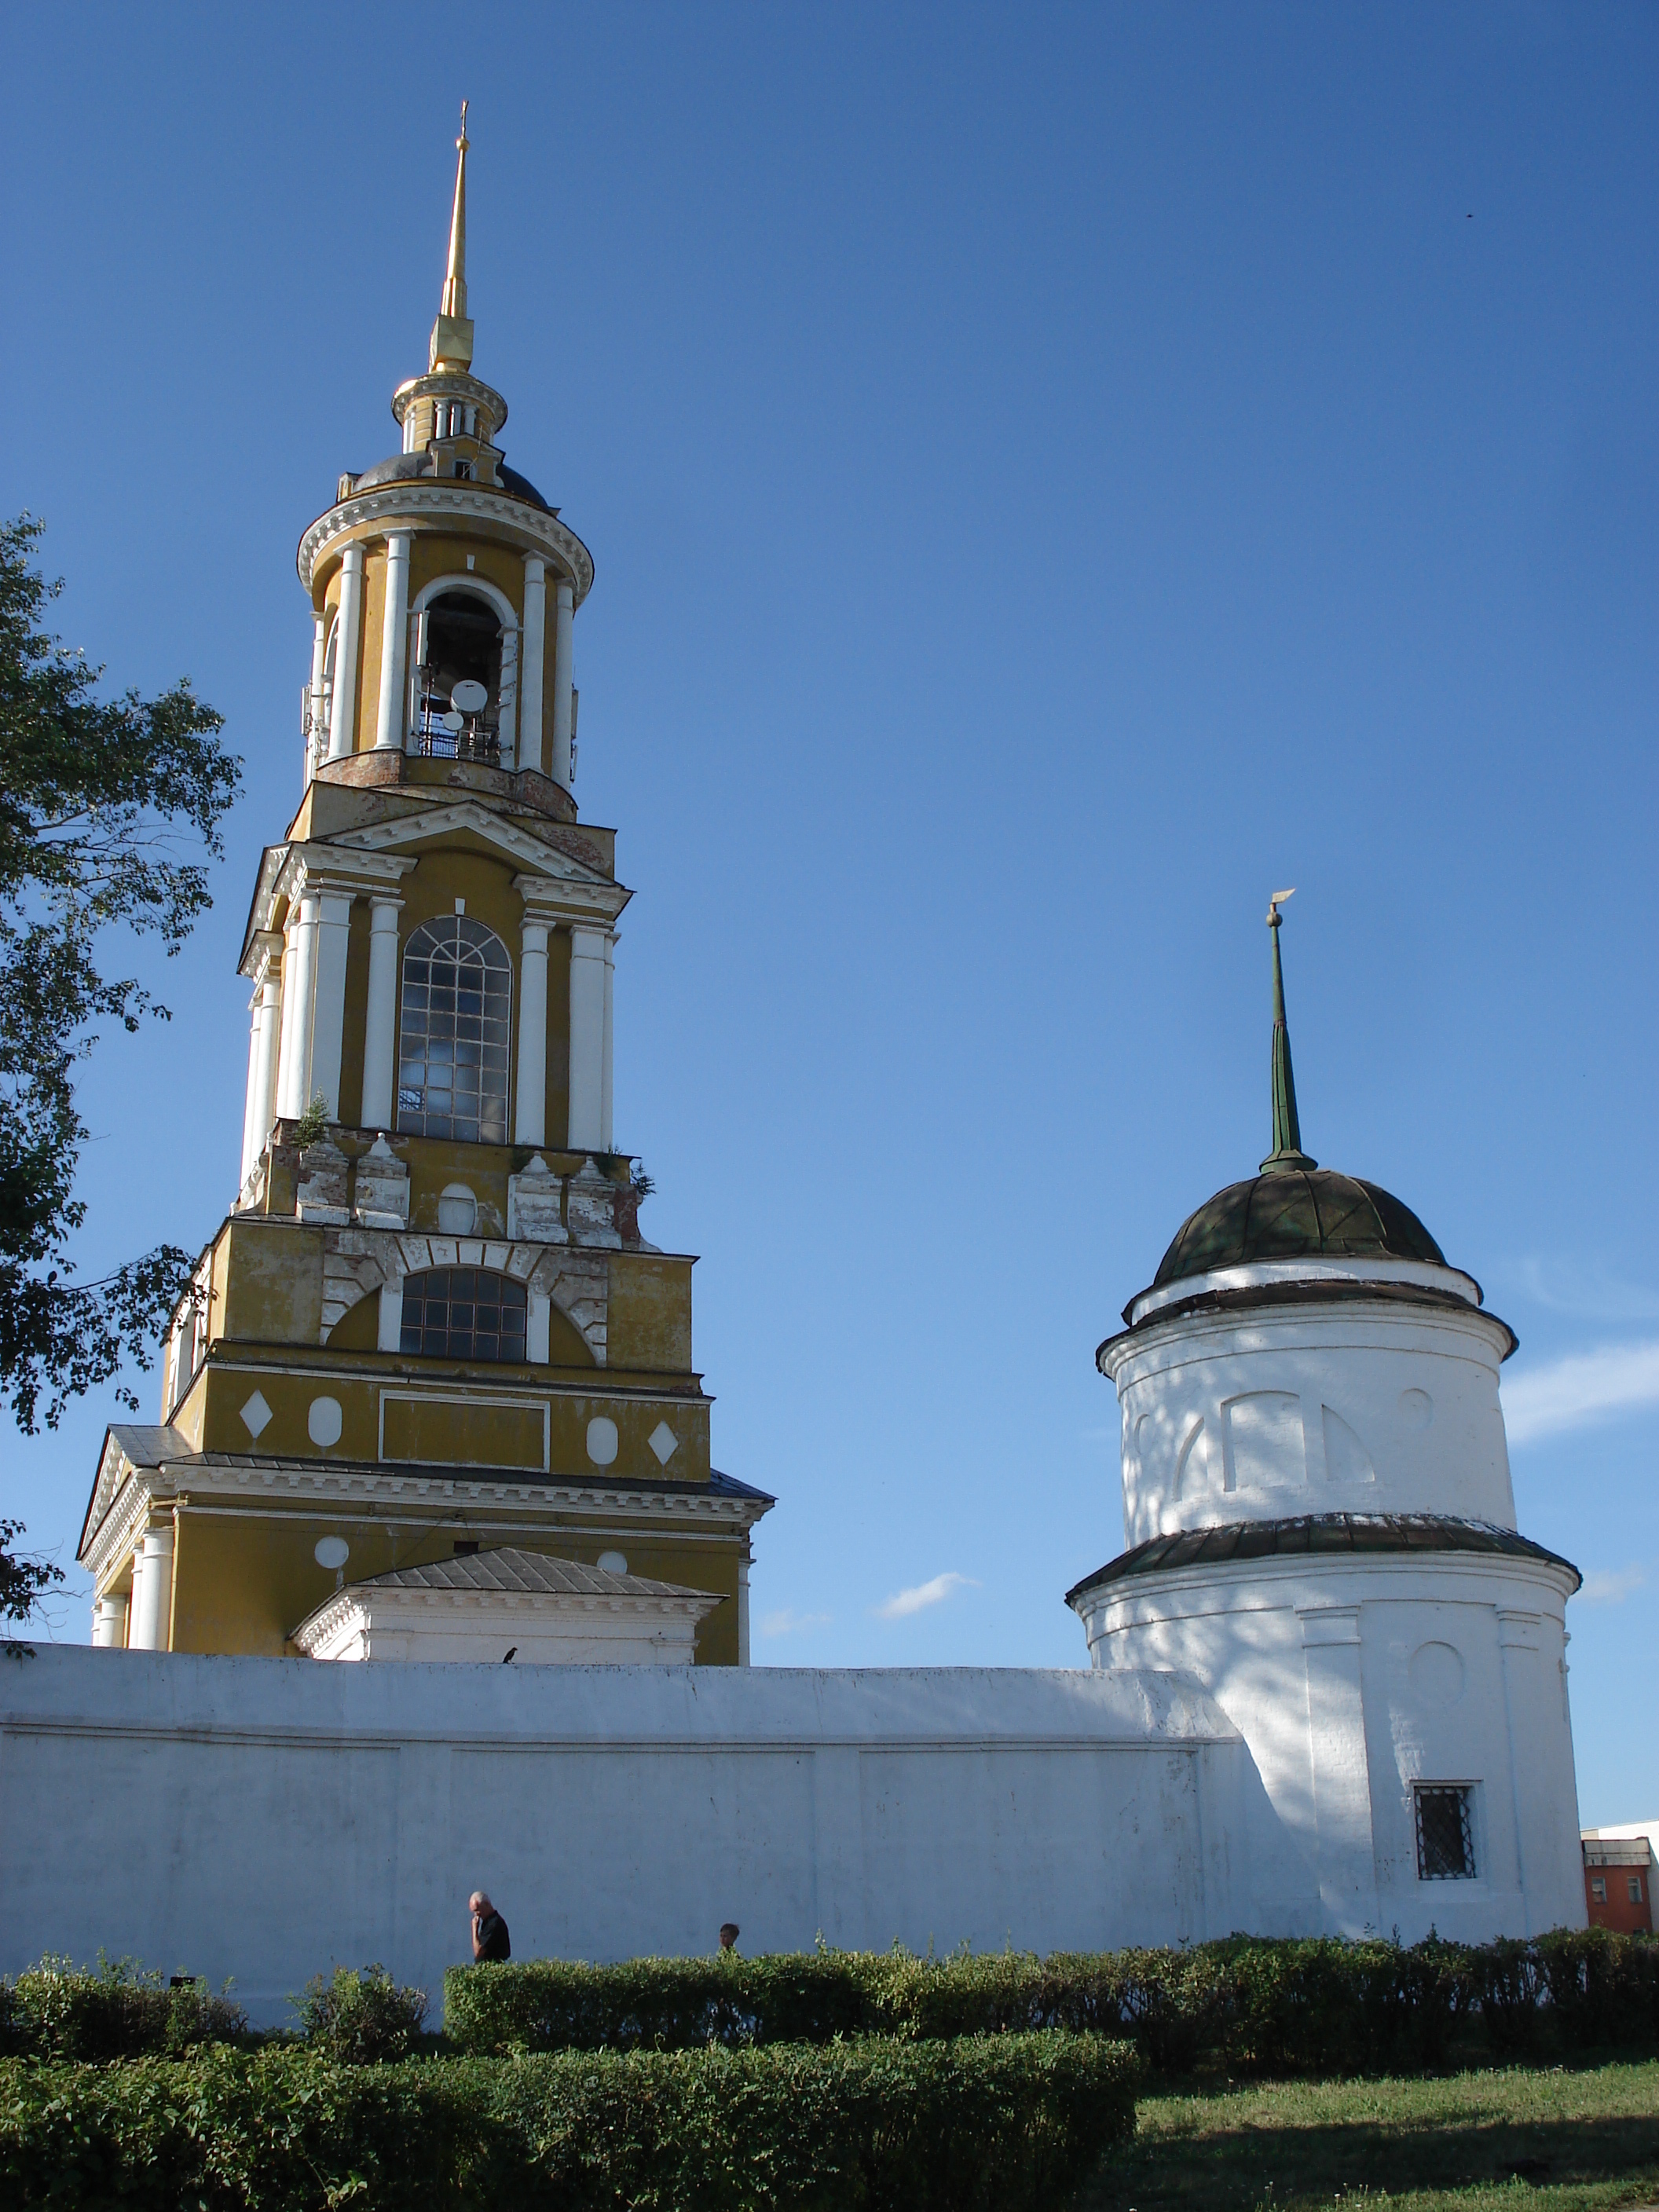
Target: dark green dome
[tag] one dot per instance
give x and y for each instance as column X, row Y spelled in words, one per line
column 1296, row 1214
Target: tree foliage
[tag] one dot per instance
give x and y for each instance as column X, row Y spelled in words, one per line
column 108, row 811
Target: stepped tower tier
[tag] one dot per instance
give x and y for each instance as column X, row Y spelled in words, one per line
column 1320, row 1529
column 429, row 1324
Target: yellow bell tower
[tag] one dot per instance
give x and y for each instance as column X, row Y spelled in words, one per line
column 429, row 1370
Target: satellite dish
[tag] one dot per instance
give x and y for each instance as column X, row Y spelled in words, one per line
column 453, row 722
column 331, row 1552
column 469, row 697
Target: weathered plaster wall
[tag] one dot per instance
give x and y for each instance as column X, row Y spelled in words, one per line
column 264, row 1818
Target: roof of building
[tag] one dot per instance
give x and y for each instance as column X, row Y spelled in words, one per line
column 399, row 466
column 1295, row 1213
column 1323, row 1532
column 528, row 1573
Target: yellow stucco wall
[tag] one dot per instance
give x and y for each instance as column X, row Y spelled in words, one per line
column 245, row 1577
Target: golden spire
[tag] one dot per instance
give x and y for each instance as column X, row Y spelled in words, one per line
column 452, row 334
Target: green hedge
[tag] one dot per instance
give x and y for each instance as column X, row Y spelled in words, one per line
column 1011, row 2124
column 116, row 2010
column 1245, row 2004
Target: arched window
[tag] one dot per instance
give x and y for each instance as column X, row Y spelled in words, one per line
column 463, row 1313
column 452, row 1058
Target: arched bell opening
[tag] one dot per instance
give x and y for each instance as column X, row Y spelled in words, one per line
column 462, row 672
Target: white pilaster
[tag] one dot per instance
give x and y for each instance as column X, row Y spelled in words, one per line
column 152, row 1616
column 380, row 1029
column 743, row 1613
column 1345, row 1853
column 530, row 1112
column 343, row 726
column 299, row 984
column 394, row 644
column 606, row 1130
column 328, row 1013
column 530, row 678
column 315, row 736
column 564, row 621
column 390, row 1334
column 587, row 974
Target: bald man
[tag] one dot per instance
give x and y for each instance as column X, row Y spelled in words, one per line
column 489, row 1936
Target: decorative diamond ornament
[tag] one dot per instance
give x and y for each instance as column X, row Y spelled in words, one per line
column 256, row 1416
column 663, row 1442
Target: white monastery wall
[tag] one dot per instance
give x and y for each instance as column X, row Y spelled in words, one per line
column 266, row 1818
column 1358, row 1407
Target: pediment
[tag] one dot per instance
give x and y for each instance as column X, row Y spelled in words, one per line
column 545, row 855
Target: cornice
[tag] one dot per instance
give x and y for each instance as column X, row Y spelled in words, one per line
column 311, row 1484
column 438, row 502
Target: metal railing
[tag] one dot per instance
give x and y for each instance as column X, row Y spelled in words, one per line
column 439, row 733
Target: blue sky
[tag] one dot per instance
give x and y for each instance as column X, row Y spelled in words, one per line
column 1054, row 475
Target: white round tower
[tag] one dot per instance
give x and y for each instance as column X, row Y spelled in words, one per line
column 1317, row 1502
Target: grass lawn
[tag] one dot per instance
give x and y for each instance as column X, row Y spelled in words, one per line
column 1570, row 2139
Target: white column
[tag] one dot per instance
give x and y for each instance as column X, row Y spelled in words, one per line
column 109, row 1624
column 319, row 661
column 606, row 1130
column 251, row 1133
column 587, row 1132
column 394, row 644
column 152, row 1617
column 135, row 1603
column 529, row 1112
column 530, row 680
column 343, row 727
column 563, row 621
column 270, row 1005
column 328, row 1011
column 299, row 983
column 1345, row 1854
column 381, row 1029
column 288, row 968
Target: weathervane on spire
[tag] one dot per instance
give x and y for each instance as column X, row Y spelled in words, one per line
column 463, row 141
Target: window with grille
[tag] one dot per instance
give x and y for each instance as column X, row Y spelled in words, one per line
column 463, row 1313
column 1634, row 1884
column 1445, row 1831
column 452, row 1057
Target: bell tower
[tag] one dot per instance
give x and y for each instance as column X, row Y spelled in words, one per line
column 430, row 1341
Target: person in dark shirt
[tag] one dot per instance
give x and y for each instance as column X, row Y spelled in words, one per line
column 489, row 1936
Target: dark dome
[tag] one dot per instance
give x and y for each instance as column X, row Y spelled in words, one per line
column 404, row 466
column 1293, row 1216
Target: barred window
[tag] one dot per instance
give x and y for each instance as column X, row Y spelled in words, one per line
column 1445, row 1832
column 452, row 1059
column 463, row 1313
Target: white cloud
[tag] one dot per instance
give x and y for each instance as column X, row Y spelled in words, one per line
column 787, row 1623
column 1613, row 1585
column 904, row 1602
column 1584, row 1387
column 1592, row 1293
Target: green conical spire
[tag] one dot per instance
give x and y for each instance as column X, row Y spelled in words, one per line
column 1287, row 1154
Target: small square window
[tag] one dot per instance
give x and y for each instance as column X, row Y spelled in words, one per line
column 1634, row 1885
column 1599, row 1887
column 1445, row 1832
